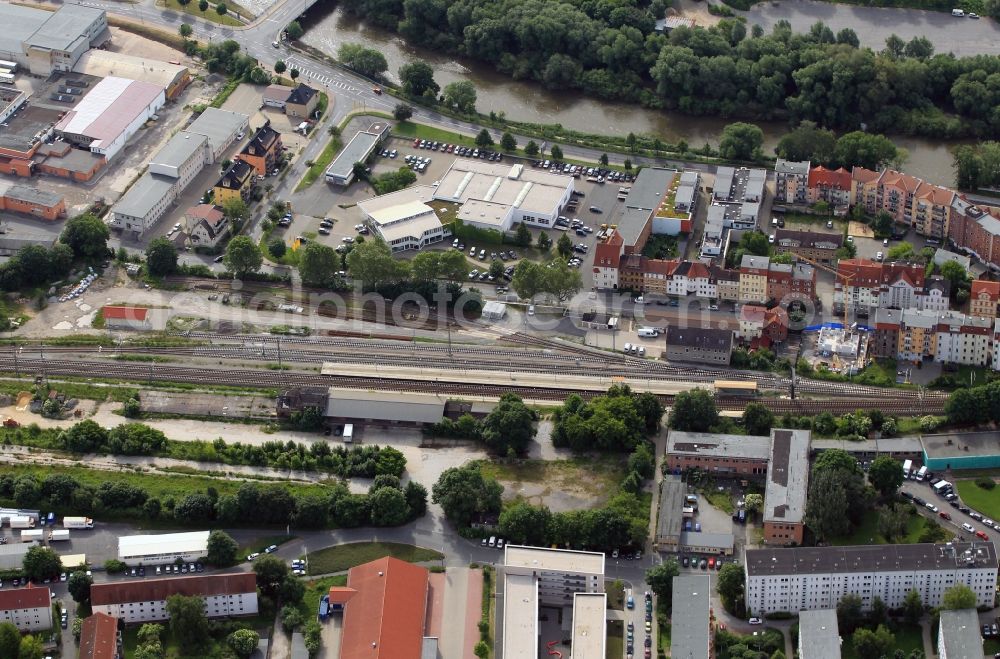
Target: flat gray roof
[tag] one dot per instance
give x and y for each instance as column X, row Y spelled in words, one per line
column 691, row 633
column 590, row 625
column 19, row 24
column 960, row 635
column 180, row 147
column 668, row 516
column 714, row 540
column 782, row 166
column 961, row 444
column 357, row 150
column 819, row 635
column 29, row 194
column 787, row 476
column 520, row 616
column 631, row 224
column 218, row 125
column 757, row 447
column 649, row 188
column 889, row 445
column 554, row 560
column 869, row 558
column 146, row 193
column 385, row 406
column 65, row 27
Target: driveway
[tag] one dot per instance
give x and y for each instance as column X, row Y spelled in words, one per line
column 873, row 25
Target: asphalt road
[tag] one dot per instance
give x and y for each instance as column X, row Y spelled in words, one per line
column 873, row 25
column 924, row 491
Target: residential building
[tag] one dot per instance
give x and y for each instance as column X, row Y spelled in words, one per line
column 931, row 210
column 743, row 456
column 819, row 634
column 775, row 328
column 263, row 150
column 301, row 102
column 917, row 335
column 235, row 184
column 403, row 219
column 699, row 344
column 607, row 258
column 727, row 283
column 937, row 294
column 884, row 341
column 751, row 322
column 965, row 340
column 808, row 578
column 100, row 639
column 787, row 282
column 753, row 279
column 28, row 608
column 896, row 194
column 984, row 297
column 693, row 278
column 163, row 547
column 631, row 272
column 225, row 595
column 686, row 197
column 121, row 317
column 791, row 181
column 865, row 189
column 359, row 149
column 206, row 226
column 959, row 635
column 786, row 486
column 589, row 633
column 863, row 285
column 385, row 605
column 830, row 185
column 812, row 245
column 692, row 624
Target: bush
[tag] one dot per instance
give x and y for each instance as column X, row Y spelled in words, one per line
column 114, row 566
column 985, row 482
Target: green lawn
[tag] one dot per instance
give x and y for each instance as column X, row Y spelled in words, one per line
column 343, row 557
column 721, row 500
column 414, row 131
column 908, row 638
column 260, row 544
column 662, row 636
column 316, row 588
column 209, row 14
column 867, row 533
column 616, row 640
column 321, row 162
column 992, row 646
column 985, row 501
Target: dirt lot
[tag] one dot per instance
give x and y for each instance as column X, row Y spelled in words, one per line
column 561, row 485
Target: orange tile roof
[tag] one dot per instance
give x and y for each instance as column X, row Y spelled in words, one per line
column 99, row 637
column 124, row 313
column 753, row 313
column 980, row 286
column 937, row 195
column 699, row 270
column 834, row 178
column 341, row 594
column 385, row 619
column 864, row 175
column 661, row 267
column 902, row 181
column 608, row 254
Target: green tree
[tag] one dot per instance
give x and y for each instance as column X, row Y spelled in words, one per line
column 741, row 141
column 860, row 149
column 482, row 650
column 416, row 498
column 10, row 639
column 958, row 597
column 221, row 9
column 523, row 523
column 161, row 257
column 531, row 149
column 222, row 549
column 79, row 587
column 870, row 644
column 556, row 152
column 318, row 265
column 892, row 522
column 293, row 74
column 484, row 139
column 827, row 505
column 294, row 31
column 184, row 30
column 693, row 411
column 604, row 160
column 31, row 647
column 544, row 242
column 243, row 642
column 202, row 5
column 402, row 112
column 373, row 264
column 277, row 248
column 280, row 67
column 753, row 502
column 242, row 257
column 564, row 246
column 496, row 269
column 131, row 408
column 955, row 274
column 882, row 225
column 913, row 608
column 367, row 61
column 885, row 475
column 900, row 252
column 41, row 563
column 522, row 235
column 808, row 142
column 418, row 79
column 388, row 507
column 849, row 614
column 757, row 419
column 462, row 492
column 460, row 95
column 291, row 618
column 661, row 581
column 730, row 584
column 188, row 623
column 271, row 572
column 508, row 142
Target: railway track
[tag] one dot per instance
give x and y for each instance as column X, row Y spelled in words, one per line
column 157, row 372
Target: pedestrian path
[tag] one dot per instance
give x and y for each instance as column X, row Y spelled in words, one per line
column 306, row 72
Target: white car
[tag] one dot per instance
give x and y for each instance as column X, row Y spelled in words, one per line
column 755, row 621
column 253, row 555
column 968, row 527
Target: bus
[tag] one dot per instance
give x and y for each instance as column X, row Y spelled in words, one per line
column 4, row 64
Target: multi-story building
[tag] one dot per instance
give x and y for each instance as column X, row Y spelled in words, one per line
column 864, row 285
column 263, row 150
column 723, row 455
column 699, row 344
column 607, row 258
column 896, row 194
column 657, row 275
column 235, row 184
column 962, row 339
column 809, row 578
column 884, row 341
column 947, row 337
column 791, row 181
column 301, row 102
column 100, row 639
column 207, row 225
column 984, row 297
column 815, row 246
column 693, row 624
column 865, row 189
column 958, row 635
column 28, row 608
column 753, row 279
column 976, row 230
column 908, row 199
column 225, row 595
column 931, row 210
column 830, row 185
column 917, row 335
column 775, row 327
column 937, row 294
column 727, row 283
column 751, row 322
column 631, row 272
column 785, row 488
column 819, row 634
column 787, row 282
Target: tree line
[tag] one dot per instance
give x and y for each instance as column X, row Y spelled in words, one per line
column 617, row 421
column 506, row 431
column 612, row 51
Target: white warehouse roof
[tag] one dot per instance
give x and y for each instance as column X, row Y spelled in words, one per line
column 137, row 546
column 108, row 109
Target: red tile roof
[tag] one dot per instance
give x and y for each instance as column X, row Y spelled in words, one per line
column 830, row 178
column 902, row 181
column 30, row 597
column 208, row 212
column 699, row 270
column 99, row 637
column 864, row 175
column 661, row 267
column 154, row 590
column 608, row 254
column 385, row 619
column 125, row 313
column 752, row 313
column 341, row 594
column 980, row 286
column 937, row 195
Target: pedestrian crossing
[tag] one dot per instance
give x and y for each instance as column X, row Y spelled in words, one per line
column 306, row 73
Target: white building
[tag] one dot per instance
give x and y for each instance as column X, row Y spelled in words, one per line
column 359, row 149
column 958, row 635
column 221, row 127
column 819, row 634
column 30, row 608
column 225, row 595
column 64, row 37
column 144, row 204
column 403, row 219
column 807, row 578
column 497, row 196
column 109, row 115
column 164, row 547
column 182, row 158
column 536, row 577
column 964, row 339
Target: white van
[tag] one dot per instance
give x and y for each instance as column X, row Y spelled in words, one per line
column 493, row 541
column 348, row 433
column 957, row 12
column 648, row 332
column 627, row 349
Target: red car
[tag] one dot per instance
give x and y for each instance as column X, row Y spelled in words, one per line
column 982, row 535
column 944, row 515
column 711, row 563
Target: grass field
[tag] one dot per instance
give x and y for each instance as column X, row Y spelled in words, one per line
column 316, row 588
column 209, row 14
column 260, row 544
column 867, row 533
column 343, row 557
column 908, row 638
column 662, row 636
column 412, row 130
column 616, row 640
column 985, row 501
column 598, row 476
column 321, row 162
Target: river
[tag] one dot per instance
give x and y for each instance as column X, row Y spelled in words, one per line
column 328, row 27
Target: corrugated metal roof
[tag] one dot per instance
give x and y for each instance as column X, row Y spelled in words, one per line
column 383, row 406
column 109, row 108
column 163, row 543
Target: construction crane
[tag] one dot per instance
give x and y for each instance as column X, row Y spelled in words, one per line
column 836, row 275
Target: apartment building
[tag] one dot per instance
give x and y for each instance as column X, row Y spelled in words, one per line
column 962, row 339
column 206, row 225
column 917, row 335
column 788, row 282
column 863, row 285
column 958, row 635
column 607, row 259
column 263, row 150
column 786, row 486
column 703, row 345
column 819, row 634
column 931, row 210
column 947, row 337
column 983, row 298
column 865, row 189
column 693, row 624
column 830, row 185
column 753, row 279
column 813, row 245
column 791, row 181
column 725, row 455
column 100, row 639
column 236, row 183
column 225, row 595
column 908, row 199
column 28, row 608
column 757, row 322
column 809, row 578
column 976, row 231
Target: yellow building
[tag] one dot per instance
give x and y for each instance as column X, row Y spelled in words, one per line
column 236, row 183
column 753, row 279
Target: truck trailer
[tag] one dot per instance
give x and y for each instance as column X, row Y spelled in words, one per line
column 907, row 468
column 58, row 535
column 22, row 522
column 78, row 523
column 32, row 534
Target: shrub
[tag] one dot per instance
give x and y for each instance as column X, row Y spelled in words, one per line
column 985, row 482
